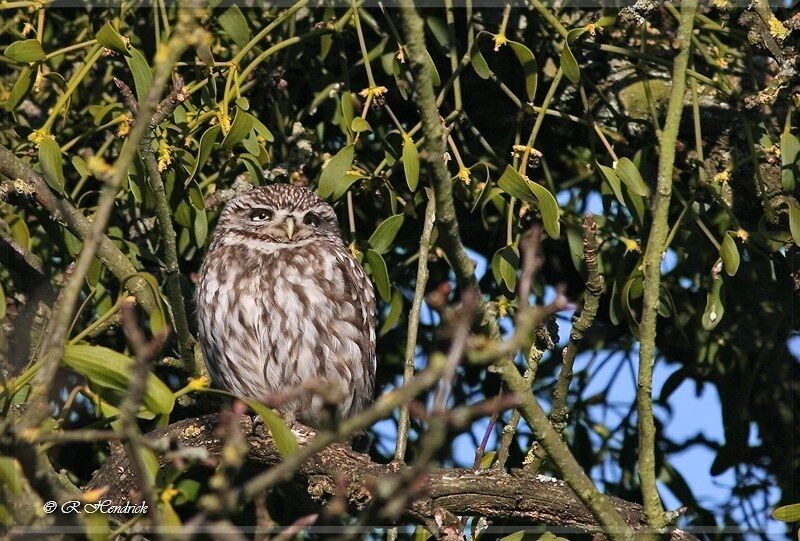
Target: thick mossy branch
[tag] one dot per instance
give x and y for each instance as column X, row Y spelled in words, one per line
column 496, row 495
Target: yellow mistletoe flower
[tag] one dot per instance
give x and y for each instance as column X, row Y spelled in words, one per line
column 202, row 382
column 499, row 41
column 164, row 157
column 463, row 174
column 373, row 91
column 630, row 245
column 722, row 177
column 124, row 126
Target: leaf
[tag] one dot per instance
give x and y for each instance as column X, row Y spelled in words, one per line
column 410, row 162
column 432, row 67
column 282, row 434
column 250, row 143
column 518, row 186
column 262, row 130
column 25, row 51
column 488, row 459
column 333, row 174
column 787, row 513
column 379, row 273
column 241, row 126
column 528, row 62
column 504, row 267
column 150, row 462
column 18, row 229
column 395, row 311
column 479, row 63
column 729, row 254
column 235, row 25
column 188, row 491
column 383, row 237
column 790, row 149
column 170, row 516
column 629, row 174
column 548, row 206
column 672, row 383
column 107, row 368
column 438, row 30
column 421, row 534
column 51, row 162
column 359, row 125
column 109, row 38
column 631, row 290
column 22, row 86
column 207, row 141
column 2, row 303
column 575, row 243
column 348, row 115
column 569, row 65
column 515, row 185
column 613, row 181
column 714, row 311
column 200, row 227
column 141, row 72
column 158, row 317
column 794, row 223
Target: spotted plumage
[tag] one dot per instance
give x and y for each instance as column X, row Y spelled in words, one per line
column 281, row 301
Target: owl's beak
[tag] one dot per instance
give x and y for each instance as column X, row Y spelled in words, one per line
column 289, row 223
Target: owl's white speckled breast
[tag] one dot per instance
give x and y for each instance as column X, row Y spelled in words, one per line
column 276, row 317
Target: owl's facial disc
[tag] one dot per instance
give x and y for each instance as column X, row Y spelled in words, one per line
column 288, row 225
column 279, row 214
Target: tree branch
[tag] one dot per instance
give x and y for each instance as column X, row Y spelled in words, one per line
column 595, row 286
column 172, row 277
column 495, row 495
column 450, row 241
column 413, row 320
column 30, row 184
column 654, row 252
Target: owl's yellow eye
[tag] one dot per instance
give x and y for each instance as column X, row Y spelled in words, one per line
column 259, row 215
column 312, row 218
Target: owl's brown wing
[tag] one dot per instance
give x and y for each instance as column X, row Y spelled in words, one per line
column 358, row 287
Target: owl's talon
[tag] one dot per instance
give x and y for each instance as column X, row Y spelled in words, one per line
column 288, row 418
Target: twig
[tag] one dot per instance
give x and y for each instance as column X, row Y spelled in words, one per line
column 654, row 250
column 413, row 319
column 595, row 286
column 530, row 247
column 382, row 407
column 459, row 342
column 172, row 278
column 144, row 351
column 31, row 185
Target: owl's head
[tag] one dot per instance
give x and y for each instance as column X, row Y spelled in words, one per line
column 279, row 213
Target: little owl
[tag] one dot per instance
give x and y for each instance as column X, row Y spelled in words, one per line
column 281, row 301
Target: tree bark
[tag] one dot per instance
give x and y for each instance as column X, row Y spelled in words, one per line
column 517, row 496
